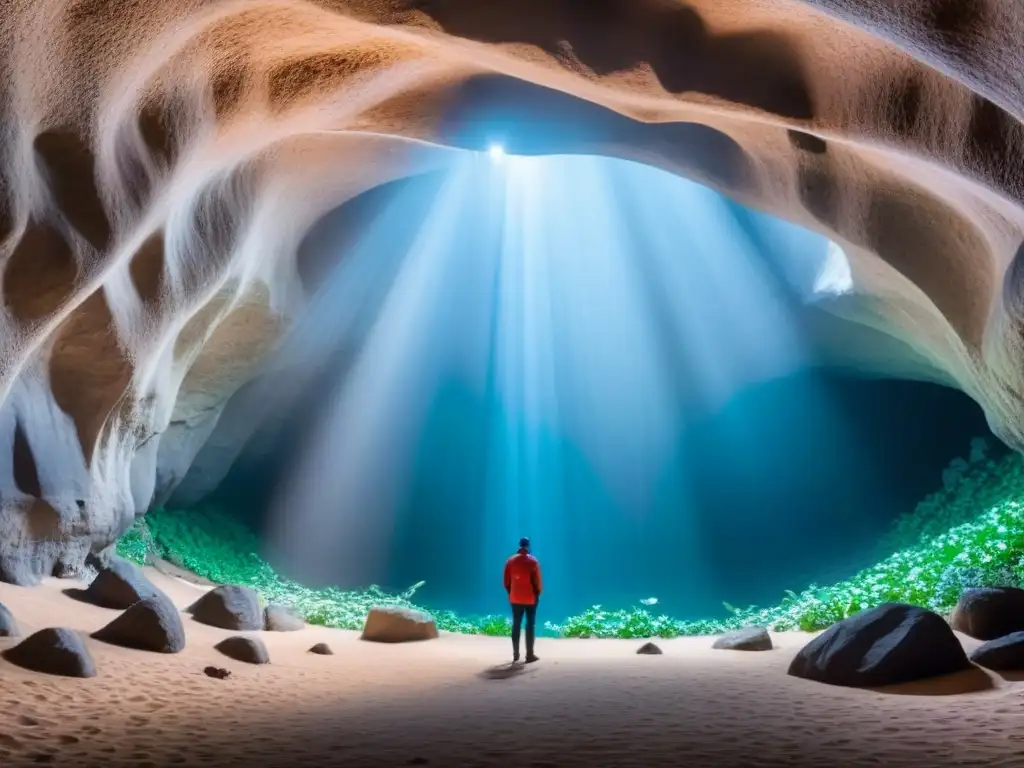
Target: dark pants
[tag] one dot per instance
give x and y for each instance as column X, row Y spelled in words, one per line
column 518, row 610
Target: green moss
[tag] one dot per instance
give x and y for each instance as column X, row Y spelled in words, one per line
column 971, row 533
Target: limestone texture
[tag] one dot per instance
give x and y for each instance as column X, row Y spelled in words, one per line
column 162, row 166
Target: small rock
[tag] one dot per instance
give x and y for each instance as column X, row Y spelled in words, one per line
column 8, row 626
column 229, row 607
column 649, row 649
column 987, row 613
column 218, row 672
column 280, row 618
column 1002, row 654
column 152, row 624
column 746, row 639
column 893, row 643
column 398, row 625
column 120, row 584
column 323, row 649
column 251, row 650
column 53, row 651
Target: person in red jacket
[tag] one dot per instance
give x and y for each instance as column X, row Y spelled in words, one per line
column 523, row 584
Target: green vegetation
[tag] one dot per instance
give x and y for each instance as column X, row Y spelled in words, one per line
column 213, row 545
column 971, row 533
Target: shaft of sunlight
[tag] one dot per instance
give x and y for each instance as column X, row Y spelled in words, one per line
column 583, row 312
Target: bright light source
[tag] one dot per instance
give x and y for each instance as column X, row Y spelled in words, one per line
column 497, row 152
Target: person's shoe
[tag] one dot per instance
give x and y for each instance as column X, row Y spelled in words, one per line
column 515, row 658
column 530, row 658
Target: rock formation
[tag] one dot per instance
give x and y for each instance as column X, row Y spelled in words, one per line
column 152, row 624
column 398, row 625
column 746, row 639
column 251, row 650
column 53, row 651
column 229, row 607
column 281, row 618
column 988, row 613
column 649, row 649
column 893, row 643
column 162, row 165
column 121, row 584
column 1004, row 653
column 8, row 626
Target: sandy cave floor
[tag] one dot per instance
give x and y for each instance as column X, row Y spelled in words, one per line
column 454, row 702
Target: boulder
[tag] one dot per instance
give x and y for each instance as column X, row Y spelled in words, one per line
column 152, row 624
column 8, row 627
column 746, row 639
column 229, row 607
column 987, row 613
column 893, row 643
column 398, row 625
column 120, row 584
column 251, row 650
column 322, row 649
column 280, row 618
column 53, row 651
column 649, row 649
column 1002, row 654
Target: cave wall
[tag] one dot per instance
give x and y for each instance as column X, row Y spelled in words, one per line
column 161, row 161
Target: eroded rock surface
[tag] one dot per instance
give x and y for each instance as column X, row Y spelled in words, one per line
column 160, row 171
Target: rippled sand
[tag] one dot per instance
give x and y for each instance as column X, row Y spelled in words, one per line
column 455, row 702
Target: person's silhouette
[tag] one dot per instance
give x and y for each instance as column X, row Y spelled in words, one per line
column 523, row 585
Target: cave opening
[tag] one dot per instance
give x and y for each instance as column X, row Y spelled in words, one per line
column 619, row 363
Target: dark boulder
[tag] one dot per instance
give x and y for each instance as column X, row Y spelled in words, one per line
column 120, row 584
column 1002, row 654
column 649, row 649
column 894, row 643
column 987, row 613
column 251, row 650
column 152, row 624
column 8, row 626
column 398, row 625
column 53, row 651
column 746, row 639
column 322, row 649
column 280, row 618
column 229, row 607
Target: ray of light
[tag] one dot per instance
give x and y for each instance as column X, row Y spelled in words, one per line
column 583, row 314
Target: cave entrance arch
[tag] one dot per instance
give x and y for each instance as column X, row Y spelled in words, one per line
column 435, row 535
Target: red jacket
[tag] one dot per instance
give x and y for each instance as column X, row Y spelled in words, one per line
column 522, row 578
